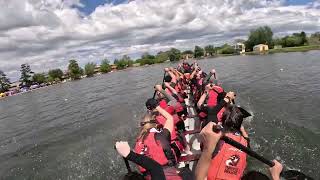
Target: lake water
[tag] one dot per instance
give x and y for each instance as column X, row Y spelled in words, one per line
column 68, row 131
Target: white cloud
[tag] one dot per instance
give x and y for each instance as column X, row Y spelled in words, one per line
column 46, row 34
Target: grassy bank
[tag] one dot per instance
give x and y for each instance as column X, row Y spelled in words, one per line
column 290, row 49
column 296, row 49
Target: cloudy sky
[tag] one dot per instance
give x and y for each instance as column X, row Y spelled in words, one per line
column 47, row 33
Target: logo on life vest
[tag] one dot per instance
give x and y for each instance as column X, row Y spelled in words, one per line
column 233, row 160
column 231, row 164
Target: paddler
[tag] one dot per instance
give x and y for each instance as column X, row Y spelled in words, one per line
column 228, row 162
column 211, row 140
column 154, row 142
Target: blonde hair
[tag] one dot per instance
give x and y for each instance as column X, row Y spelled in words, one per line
column 145, row 129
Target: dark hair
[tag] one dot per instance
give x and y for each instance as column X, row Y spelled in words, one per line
column 254, row 175
column 167, row 78
column 232, row 118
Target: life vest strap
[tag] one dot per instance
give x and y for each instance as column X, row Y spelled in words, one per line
column 187, row 158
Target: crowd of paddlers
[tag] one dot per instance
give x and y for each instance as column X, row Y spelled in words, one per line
column 161, row 144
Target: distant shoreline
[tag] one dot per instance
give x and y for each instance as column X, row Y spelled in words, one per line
column 288, row 49
column 271, row 51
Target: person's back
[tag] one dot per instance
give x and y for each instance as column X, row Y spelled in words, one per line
column 229, row 162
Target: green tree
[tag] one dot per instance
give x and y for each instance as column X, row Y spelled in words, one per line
column 26, row 74
column 198, row 52
column 303, row 38
column 75, row 71
column 279, row 41
column 209, row 50
column 120, row 64
column 124, row 62
column 89, row 69
column 187, row 52
column 55, row 75
column 4, row 82
column 292, row 41
column 161, row 57
column 314, row 39
column 147, row 58
column 127, row 60
column 316, row 36
column 227, row 49
column 174, row 54
column 262, row 35
column 105, row 66
column 39, row 78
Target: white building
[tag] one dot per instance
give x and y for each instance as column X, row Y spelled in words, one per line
column 240, row 47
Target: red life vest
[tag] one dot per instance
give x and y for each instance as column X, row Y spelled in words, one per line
column 174, row 136
column 178, row 107
column 200, row 81
column 230, row 162
column 170, row 174
column 154, row 149
column 202, row 114
column 178, row 87
column 163, row 103
column 213, row 96
column 220, row 113
column 162, row 120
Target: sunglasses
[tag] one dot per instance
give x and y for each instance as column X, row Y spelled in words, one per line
column 146, row 122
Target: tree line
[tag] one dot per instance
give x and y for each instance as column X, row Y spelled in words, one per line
column 264, row 35
column 29, row 78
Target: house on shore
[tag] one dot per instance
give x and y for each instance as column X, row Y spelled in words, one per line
column 97, row 69
column 187, row 56
column 260, row 48
column 240, row 47
column 113, row 67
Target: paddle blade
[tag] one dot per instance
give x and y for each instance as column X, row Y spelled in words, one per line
column 244, row 112
column 295, row 175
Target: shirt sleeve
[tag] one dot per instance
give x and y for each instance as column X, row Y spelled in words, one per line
column 149, row 164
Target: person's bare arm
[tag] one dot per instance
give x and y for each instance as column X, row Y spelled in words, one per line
column 172, row 100
column 169, row 119
column 173, row 76
column 204, row 95
column 202, row 99
column 210, row 140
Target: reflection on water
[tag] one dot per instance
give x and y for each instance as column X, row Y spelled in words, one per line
column 68, row 131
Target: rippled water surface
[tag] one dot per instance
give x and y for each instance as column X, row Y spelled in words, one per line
column 67, row 131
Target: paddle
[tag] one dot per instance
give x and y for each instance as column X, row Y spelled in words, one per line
column 290, row 174
column 127, row 165
column 247, row 150
column 164, row 75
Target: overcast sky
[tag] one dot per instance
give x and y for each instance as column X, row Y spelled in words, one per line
column 48, row 33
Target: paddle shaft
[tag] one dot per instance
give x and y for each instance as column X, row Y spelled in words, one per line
column 127, row 165
column 247, row 150
column 164, row 75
